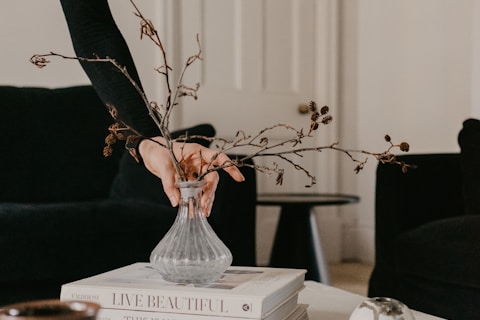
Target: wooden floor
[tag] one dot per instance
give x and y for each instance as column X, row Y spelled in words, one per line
column 350, row 276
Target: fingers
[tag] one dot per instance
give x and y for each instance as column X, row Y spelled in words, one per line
column 158, row 162
column 167, row 177
column 166, row 172
column 171, row 190
column 208, row 196
column 198, row 155
column 233, row 171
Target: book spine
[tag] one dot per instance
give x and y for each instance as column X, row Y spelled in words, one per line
column 213, row 305
column 118, row 314
column 291, row 312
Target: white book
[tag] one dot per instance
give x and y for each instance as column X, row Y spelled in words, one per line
column 300, row 313
column 289, row 310
column 248, row 292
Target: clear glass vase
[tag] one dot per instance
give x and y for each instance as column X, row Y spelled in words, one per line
column 191, row 252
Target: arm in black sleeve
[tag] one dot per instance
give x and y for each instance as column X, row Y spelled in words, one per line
column 93, row 32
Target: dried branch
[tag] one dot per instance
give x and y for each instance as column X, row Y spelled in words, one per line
column 286, row 150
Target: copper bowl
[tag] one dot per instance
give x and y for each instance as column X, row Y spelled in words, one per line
column 50, row 310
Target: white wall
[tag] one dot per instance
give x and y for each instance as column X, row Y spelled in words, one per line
column 29, row 27
column 37, row 27
column 407, row 71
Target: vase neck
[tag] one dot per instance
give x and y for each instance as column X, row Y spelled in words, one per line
column 190, row 193
column 190, row 189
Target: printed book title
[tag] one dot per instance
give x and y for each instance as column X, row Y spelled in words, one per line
column 172, row 303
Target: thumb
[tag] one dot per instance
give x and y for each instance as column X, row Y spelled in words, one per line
column 171, row 191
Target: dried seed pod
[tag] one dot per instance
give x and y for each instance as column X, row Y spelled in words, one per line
column 324, row 110
column 327, row 119
column 114, row 127
column 39, row 61
column 404, row 146
column 147, row 28
column 112, row 110
column 279, row 179
column 107, row 151
column 110, row 139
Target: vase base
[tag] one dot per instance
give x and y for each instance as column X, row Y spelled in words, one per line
column 190, row 280
column 193, row 274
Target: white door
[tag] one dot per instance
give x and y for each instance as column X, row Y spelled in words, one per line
column 262, row 59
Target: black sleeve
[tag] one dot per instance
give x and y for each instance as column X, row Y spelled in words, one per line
column 93, row 32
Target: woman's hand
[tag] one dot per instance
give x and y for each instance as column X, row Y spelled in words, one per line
column 194, row 158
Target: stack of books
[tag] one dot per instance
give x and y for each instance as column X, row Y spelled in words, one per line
column 137, row 292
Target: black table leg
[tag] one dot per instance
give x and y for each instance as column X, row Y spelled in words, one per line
column 296, row 243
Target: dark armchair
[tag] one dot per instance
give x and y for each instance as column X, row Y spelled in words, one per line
column 428, row 230
column 67, row 212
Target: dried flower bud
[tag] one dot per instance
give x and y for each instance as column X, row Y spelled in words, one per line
column 114, row 127
column 120, row 135
column 324, row 110
column 327, row 119
column 387, row 138
column 315, row 116
column 279, row 180
column 386, row 157
column 359, row 168
column 404, row 146
column 110, row 139
column 39, row 61
column 155, row 107
column 112, row 110
column 313, row 126
column 107, row 151
column 147, row 28
column 313, row 106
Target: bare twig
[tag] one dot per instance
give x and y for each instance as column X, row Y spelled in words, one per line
column 286, row 150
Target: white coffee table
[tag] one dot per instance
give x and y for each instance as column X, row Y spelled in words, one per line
column 331, row 303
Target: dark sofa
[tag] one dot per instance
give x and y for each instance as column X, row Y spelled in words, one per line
column 428, row 230
column 67, row 212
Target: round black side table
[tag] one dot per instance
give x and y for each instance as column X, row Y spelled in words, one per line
column 297, row 242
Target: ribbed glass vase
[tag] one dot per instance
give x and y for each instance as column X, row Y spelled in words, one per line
column 191, row 252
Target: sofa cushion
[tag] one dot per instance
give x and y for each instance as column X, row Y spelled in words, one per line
column 51, row 244
column 53, row 149
column 437, row 251
column 128, row 230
